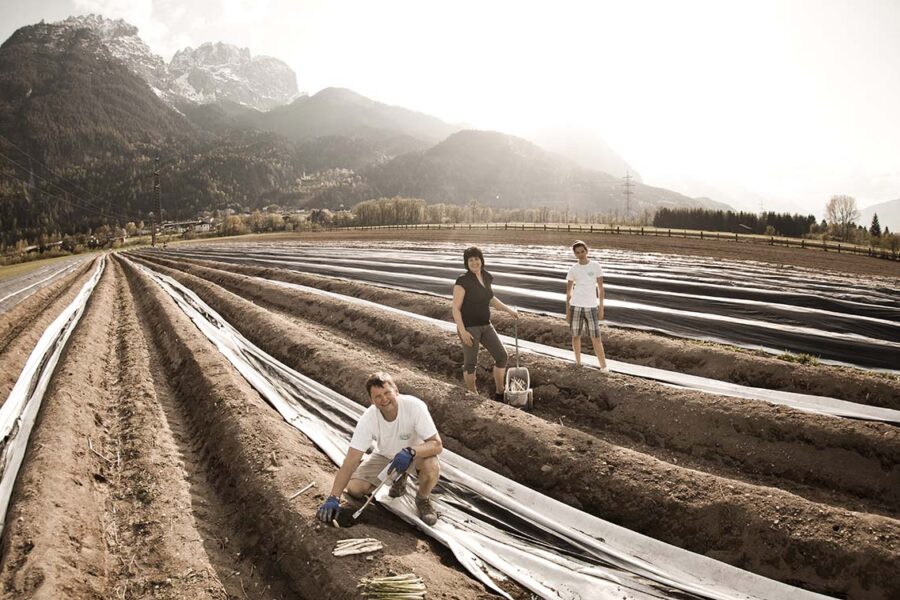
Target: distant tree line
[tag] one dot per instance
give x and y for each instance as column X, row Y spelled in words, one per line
column 410, row 211
column 770, row 223
column 841, row 214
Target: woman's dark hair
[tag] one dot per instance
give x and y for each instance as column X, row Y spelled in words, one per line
column 469, row 253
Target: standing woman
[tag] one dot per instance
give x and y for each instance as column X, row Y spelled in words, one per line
column 472, row 299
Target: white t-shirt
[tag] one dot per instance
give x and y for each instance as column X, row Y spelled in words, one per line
column 412, row 426
column 585, row 278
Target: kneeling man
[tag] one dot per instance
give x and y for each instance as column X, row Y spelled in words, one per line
column 404, row 436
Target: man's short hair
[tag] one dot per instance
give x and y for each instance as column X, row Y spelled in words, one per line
column 379, row 379
column 579, row 243
column 470, row 252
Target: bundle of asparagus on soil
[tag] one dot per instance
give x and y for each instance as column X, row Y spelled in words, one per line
column 356, row 546
column 396, row 587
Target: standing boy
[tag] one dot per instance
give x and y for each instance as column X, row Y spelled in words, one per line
column 584, row 303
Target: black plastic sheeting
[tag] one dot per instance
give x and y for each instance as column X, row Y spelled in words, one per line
column 839, row 318
column 495, row 527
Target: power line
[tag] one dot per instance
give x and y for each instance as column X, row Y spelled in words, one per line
column 81, row 204
column 101, row 212
column 58, row 176
column 44, row 192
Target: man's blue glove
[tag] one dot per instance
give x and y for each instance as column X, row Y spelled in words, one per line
column 402, row 461
column 328, row 512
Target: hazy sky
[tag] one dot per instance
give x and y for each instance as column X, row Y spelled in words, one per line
column 786, row 101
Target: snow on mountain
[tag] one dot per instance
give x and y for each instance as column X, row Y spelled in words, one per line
column 220, row 71
column 212, row 72
column 121, row 39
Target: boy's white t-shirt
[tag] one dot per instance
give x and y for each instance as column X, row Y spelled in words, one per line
column 412, row 426
column 585, row 278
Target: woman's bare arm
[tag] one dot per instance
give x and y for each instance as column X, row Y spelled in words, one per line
column 459, row 294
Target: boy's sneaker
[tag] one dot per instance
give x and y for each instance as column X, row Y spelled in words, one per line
column 426, row 511
column 604, row 370
column 398, row 488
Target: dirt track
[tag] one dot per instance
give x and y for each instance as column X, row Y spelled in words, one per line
column 190, row 495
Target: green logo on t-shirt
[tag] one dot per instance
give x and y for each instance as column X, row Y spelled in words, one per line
column 405, row 436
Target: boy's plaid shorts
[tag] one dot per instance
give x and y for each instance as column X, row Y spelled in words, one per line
column 584, row 318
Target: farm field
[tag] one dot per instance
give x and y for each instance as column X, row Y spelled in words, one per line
column 17, row 282
column 773, row 255
column 846, row 320
column 155, row 468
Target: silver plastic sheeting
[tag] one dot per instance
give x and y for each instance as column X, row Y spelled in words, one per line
column 840, row 319
column 18, row 413
column 822, row 405
column 495, row 527
column 558, row 298
column 8, row 298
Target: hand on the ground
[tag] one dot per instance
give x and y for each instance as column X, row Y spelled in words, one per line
column 514, row 313
column 401, row 461
column 328, row 512
column 466, row 338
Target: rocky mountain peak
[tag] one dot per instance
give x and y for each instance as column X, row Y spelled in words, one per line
column 107, row 29
column 211, row 54
column 122, row 40
column 210, row 73
column 217, row 72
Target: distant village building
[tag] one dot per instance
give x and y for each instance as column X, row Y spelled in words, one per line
column 198, row 226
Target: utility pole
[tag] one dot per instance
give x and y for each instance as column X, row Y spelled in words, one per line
column 157, row 218
column 629, row 184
